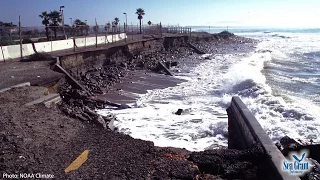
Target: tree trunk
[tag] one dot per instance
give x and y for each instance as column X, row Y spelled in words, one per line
column 140, row 26
column 47, row 33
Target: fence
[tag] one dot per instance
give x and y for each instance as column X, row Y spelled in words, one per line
column 74, row 38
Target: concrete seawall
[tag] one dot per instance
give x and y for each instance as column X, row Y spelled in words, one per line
column 80, row 62
column 245, row 131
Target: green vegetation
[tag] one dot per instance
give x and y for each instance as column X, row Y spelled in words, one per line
column 45, row 21
column 140, row 12
column 81, row 27
column 51, row 20
column 116, row 22
column 6, row 37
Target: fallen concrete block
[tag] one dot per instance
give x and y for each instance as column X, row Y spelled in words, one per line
column 15, row 86
column 195, row 49
column 46, row 99
column 165, row 69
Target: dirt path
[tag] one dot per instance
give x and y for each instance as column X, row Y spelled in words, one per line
column 37, row 73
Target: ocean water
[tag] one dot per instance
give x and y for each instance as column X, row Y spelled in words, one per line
column 279, row 81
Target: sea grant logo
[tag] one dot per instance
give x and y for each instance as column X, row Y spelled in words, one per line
column 297, row 163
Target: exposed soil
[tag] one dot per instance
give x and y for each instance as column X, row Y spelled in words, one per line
column 37, row 73
column 37, row 139
column 97, row 81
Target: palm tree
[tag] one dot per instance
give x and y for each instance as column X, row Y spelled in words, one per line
column 82, row 26
column 108, row 25
column 55, row 20
column 45, row 21
column 116, row 22
column 140, row 13
column 78, row 22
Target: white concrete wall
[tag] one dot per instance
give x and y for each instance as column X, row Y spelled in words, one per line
column 101, row 39
column 43, row 47
column 1, row 55
column 109, row 38
column 13, row 51
column 27, row 50
column 90, row 41
column 62, row 45
column 123, row 36
column 5, row 52
column 80, row 42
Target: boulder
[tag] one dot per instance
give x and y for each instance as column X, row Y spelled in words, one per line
column 179, row 112
column 289, row 143
column 174, row 63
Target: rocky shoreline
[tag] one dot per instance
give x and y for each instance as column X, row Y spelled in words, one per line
column 211, row 163
column 44, row 140
column 78, row 104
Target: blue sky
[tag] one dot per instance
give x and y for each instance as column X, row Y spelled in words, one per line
column 285, row 13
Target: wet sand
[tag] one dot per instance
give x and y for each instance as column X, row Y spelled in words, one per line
column 36, row 139
column 137, row 82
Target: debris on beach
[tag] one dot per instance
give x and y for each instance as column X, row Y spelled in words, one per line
column 179, row 112
column 97, row 80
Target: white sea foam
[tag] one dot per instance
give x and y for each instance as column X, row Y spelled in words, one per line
column 205, row 97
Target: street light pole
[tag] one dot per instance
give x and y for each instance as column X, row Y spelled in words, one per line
column 126, row 22
column 62, row 19
column 95, row 19
column 87, row 29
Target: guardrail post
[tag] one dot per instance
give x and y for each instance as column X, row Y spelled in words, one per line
column 160, row 29
column 125, row 31
column 96, row 32
column 21, row 55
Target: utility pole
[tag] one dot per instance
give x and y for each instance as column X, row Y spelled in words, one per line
column 126, row 26
column 62, row 19
column 95, row 19
column 21, row 55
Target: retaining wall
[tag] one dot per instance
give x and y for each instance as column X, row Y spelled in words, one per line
column 63, row 44
column 90, row 41
column 245, row 131
column 27, row 50
column 109, row 38
column 81, row 62
column 1, row 54
column 5, row 52
column 80, row 42
column 43, row 46
column 13, row 51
